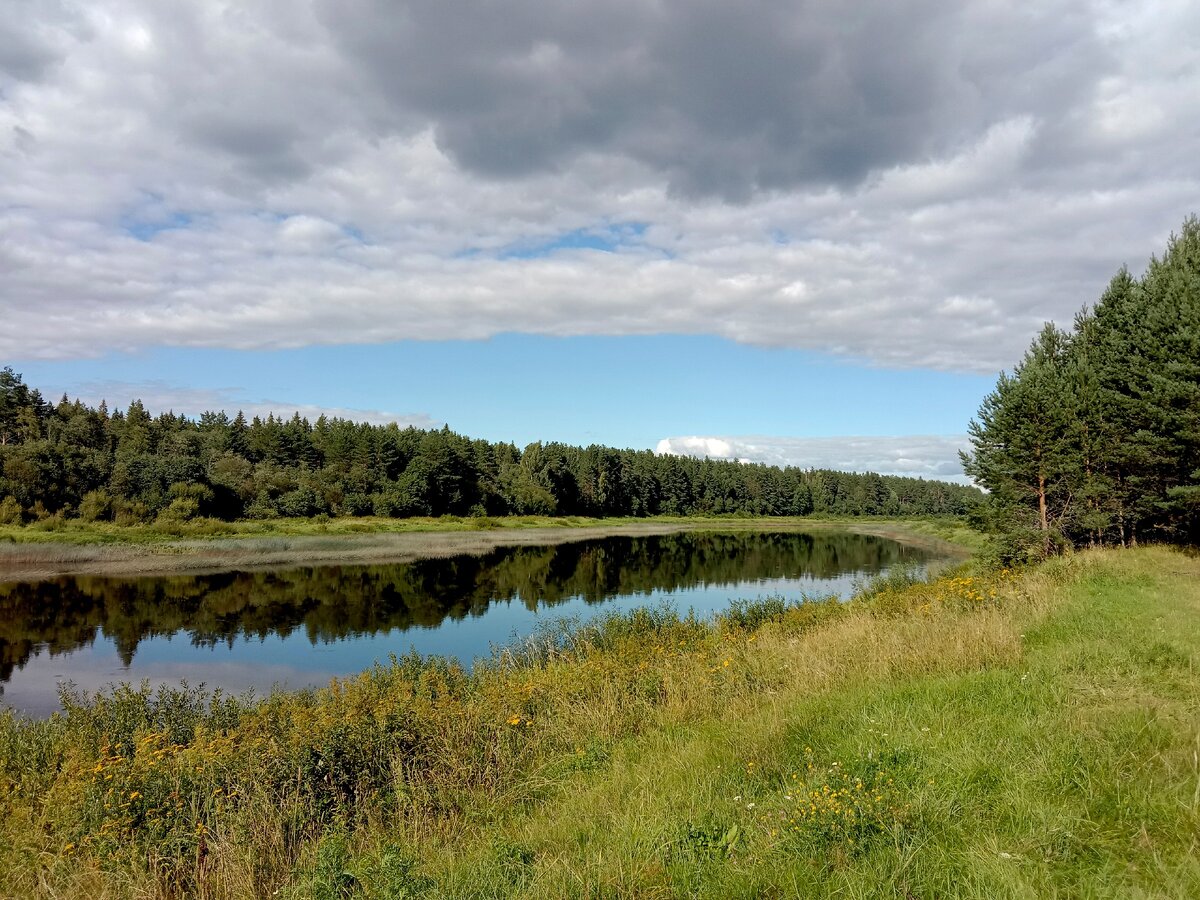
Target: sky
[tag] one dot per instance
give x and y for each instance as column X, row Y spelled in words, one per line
column 797, row 232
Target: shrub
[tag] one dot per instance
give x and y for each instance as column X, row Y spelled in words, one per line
column 748, row 615
column 10, row 511
column 355, row 503
column 130, row 512
column 300, row 503
column 181, row 509
column 96, row 506
column 262, row 508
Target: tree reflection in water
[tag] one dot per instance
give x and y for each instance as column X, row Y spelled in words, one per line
column 335, row 603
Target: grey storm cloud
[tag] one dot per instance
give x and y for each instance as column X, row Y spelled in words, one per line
column 909, row 182
column 721, row 98
column 35, row 36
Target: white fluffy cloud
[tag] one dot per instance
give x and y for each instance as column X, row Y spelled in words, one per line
column 921, row 185
column 914, row 456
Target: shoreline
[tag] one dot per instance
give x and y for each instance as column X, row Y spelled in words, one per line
column 45, row 560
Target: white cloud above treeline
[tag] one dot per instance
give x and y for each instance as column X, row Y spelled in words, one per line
column 914, row 184
column 912, row 456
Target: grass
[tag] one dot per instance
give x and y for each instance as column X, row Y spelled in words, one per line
column 56, row 547
column 75, row 531
column 1030, row 734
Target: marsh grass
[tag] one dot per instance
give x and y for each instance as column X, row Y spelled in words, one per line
column 1005, row 735
column 78, row 548
column 56, row 530
column 75, row 531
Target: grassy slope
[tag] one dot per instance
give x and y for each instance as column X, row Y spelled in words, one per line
column 1042, row 742
column 1055, row 760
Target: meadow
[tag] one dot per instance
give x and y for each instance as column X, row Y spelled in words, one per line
column 987, row 733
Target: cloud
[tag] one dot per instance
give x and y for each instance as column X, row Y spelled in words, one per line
column 912, row 183
column 159, row 397
column 912, row 456
column 721, row 99
column 35, row 36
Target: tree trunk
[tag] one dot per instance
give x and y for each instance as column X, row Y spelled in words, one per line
column 1042, row 515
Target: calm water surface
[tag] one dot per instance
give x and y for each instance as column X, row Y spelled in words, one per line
column 303, row 626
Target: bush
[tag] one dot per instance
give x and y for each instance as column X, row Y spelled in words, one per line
column 355, row 503
column 10, row 511
column 130, row 512
column 300, row 503
column 896, row 578
column 181, row 509
column 55, row 522
column 96, row 506
column 262, row 508
column 748, row 615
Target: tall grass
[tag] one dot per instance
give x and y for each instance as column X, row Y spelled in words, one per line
column 966, row 736
column 74, row 531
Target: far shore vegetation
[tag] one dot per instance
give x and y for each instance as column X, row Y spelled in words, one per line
column 68, row 461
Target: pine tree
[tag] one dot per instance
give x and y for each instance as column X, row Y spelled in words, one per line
column 1020, row 447
column 1171, row 331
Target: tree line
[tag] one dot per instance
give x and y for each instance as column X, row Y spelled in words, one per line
column 1095, row 436
column 76, row 461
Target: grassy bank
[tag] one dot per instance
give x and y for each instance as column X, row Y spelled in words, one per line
column 75, row 531
column 33, row 552
column 1007, row 735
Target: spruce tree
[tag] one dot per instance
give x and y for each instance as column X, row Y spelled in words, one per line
column 1021, row 452
column 1171, row 340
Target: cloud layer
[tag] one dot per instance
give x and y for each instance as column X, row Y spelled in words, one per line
column 913, row 456
column 914, row 183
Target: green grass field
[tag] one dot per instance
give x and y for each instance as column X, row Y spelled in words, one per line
column 1028, row 734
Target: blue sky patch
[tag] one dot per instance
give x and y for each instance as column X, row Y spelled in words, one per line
column 147, row 228
column 604, row 238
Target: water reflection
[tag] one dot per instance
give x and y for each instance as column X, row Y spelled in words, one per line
column 280, row 613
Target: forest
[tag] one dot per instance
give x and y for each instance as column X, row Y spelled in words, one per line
column 71, row 460
column 1094, row 438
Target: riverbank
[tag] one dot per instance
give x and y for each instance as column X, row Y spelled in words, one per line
column 33, row 553
column 1016, row 734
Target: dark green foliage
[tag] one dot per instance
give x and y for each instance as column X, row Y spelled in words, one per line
column 130, row 467
column 710, row 839
column 1095, row 437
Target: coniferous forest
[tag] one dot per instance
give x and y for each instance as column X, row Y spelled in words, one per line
column 74, row 461
column 1094, row 438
